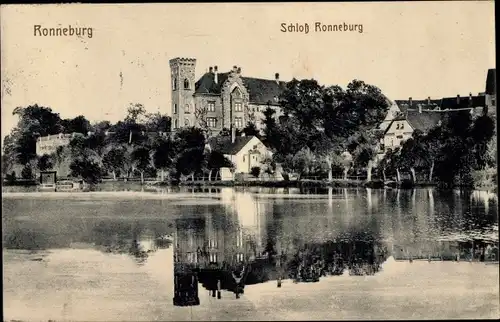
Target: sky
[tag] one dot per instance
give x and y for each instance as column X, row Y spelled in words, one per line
column 406, row 49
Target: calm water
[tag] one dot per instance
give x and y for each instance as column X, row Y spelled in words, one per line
column 250, row 254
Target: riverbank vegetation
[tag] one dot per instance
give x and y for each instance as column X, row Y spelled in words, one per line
column 327, row 133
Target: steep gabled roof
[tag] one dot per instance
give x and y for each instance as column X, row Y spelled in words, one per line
column 224, row 145
column 491, row 82
column 206, row 84
column 262, row 91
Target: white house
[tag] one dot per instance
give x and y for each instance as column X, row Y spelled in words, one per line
column 245, row 152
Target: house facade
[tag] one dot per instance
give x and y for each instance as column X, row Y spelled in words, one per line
column 405, row 116
column 245, row 152
column 220, row 99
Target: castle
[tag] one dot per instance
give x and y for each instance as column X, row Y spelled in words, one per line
column 220, row 100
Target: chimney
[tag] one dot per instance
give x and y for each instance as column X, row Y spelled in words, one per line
column 235, row 69
column 470, row 99
column 458, row 99
column 210, row 69
column 277, row 78
column 233, row 134
column 420, row 108
column 216, row 78
column 410, row 102
column 238, row 70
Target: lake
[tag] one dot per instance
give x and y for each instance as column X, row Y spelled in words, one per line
column 250, row 254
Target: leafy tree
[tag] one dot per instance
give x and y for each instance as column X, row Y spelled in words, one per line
column 164, row 155
column 215, row 161
column 251, row 130
column 34, row 121
column 78, row 124
column 114, row 160
column 303, row 162
column 141, row 159
column 255, row 171
column 45, row 162
column 87, row 168
column 157, row 122
column 27, row 172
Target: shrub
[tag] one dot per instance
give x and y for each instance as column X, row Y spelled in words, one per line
column 255, row 171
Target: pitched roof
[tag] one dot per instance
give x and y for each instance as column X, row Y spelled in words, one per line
column 262, row 91
column 424, row 121
column 449, row 103
column 491, row 82
column 224, row 145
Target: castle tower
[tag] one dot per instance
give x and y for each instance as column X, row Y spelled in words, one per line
column 182, row 72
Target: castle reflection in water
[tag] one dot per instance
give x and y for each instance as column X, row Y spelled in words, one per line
column 249, row 238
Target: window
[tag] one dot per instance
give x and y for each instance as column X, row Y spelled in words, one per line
column 186, row 122
column 174, row 84
column 238, row 122
column 187, row 109
column 176, row 124
column 397, row 126
column 238, row 107
column 399, row 136
column 175, row 108
column 243, row 157
column 186, row 84
column 211, row 122
column 492, row 101
column 211, row 107
column 402, row 126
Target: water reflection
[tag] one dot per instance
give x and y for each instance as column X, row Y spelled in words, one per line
column 255, row 238
column 247, row 236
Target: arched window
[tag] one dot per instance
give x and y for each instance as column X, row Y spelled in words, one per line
column 186, row 84
column 174, row 84
column 237, row 93
column 187, row 109
column 186, row 122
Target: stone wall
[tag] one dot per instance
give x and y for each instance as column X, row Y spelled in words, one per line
column 181, row 69
column 234, row 80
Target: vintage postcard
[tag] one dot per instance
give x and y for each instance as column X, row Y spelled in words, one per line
column 252, row 161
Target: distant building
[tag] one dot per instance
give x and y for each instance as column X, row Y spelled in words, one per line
column 220, row 100
column 245, row 152
column 49, row 144
column 406, row 116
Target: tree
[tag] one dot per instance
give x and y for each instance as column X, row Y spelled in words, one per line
column 157, row 122
column 255, row 171
column 78, row 124
column 303, row 162
column 45, row 162
column 136, row 113
column 141, row 159
column 27, row 172
column 200, row 113
column 34, row 121
column 215, row 161
column 87, row 168
column 114, row 160
column 164, row 155
column 251, row 130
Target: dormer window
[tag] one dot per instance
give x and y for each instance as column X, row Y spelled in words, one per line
column 186, row 83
